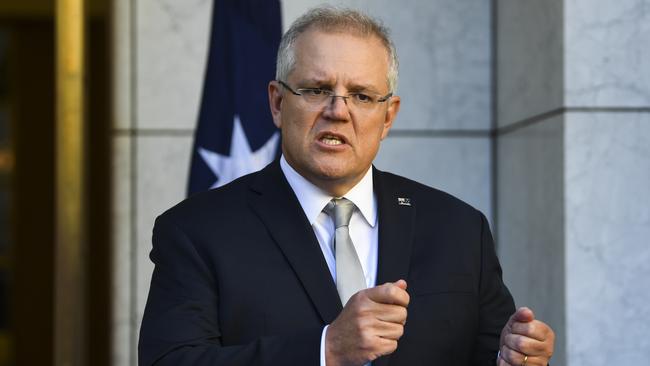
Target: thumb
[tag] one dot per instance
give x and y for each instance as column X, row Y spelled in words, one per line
column 401, row 284
column 523, row 315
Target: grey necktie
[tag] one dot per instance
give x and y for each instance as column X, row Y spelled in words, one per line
column 349, row 273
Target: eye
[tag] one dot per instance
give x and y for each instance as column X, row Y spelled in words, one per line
column 313, row 92
column 362, row 98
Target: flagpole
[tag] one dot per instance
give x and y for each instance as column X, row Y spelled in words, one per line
column 69, row 304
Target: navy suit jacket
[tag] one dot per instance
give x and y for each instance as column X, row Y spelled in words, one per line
column 240, row 279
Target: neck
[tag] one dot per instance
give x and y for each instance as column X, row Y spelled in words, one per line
column 335, row 187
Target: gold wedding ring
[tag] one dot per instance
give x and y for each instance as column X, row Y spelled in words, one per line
column 525, row 360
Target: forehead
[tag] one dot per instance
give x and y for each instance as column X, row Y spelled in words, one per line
column 339, row 57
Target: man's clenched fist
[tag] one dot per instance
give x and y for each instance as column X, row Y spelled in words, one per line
column 369, row 326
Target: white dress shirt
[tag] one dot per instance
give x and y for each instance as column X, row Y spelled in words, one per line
column 363, row 226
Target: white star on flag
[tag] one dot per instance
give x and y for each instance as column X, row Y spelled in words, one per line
column 241, row 160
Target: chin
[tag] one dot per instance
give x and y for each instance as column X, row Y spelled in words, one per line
column 330, row 173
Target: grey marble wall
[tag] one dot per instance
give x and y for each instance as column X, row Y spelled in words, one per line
column 529, row 67
column 530, row 223
column 573, row 171
column 530, row 155
column 607, row 53
column 123, row 321
column 441, row 138
column 607, row 209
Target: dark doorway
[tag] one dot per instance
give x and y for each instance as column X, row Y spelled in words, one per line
column 27, row 153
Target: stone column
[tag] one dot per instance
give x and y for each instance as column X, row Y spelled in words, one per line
column 160, row 49
column 573, row 171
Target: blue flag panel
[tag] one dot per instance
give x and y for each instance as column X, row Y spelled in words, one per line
column 235, row 134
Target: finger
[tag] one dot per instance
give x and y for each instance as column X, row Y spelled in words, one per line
column 519, row 359
column 401, row 284
column 389, row 330
column 389, row 293
column 525, row 345
column 535, row 329
column 502, row 362
column 386, row 346
column 512, row 357
column 392, row 313
column 523, row 314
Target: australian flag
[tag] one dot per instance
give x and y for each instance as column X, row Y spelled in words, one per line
column 235, row 133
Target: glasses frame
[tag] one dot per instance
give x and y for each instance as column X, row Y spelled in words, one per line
column 330, row 94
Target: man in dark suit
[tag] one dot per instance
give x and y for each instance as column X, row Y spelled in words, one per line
column 260, row 271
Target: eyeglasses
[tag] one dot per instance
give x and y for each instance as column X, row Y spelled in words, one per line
column 316, row 98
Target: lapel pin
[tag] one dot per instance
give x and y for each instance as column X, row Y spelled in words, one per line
column 402, row 201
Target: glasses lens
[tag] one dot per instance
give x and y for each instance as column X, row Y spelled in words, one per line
column 363, row 99
column 315, row 99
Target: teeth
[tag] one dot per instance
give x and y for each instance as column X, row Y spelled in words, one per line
column 331, row 140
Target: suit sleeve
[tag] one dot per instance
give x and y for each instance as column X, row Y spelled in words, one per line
column 181, row 319
column 496, row 304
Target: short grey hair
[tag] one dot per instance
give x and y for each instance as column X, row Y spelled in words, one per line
column 335, row 19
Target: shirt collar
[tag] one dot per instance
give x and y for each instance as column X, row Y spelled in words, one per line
column 313, row 199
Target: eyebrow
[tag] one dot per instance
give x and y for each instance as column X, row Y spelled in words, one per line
column 354, row 87
column 316, row 80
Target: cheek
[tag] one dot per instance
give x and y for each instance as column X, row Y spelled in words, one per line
column 294, row 134
column 371, row 137
column 372, row 149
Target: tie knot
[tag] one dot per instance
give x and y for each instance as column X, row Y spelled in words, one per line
column 340, row 209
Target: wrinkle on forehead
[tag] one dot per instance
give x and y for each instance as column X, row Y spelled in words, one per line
column 338, row 58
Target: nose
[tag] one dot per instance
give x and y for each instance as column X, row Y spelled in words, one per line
column 337, row 108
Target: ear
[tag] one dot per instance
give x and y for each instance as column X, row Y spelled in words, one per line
column 275, row 102
column 391, row 113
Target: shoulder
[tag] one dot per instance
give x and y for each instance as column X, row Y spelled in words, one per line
column 212, row 205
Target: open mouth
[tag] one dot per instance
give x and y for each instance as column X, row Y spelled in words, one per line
column 331, row 140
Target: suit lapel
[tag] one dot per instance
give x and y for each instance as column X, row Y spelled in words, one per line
column 396, row 229
column 396, row 226
column 277, row 206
